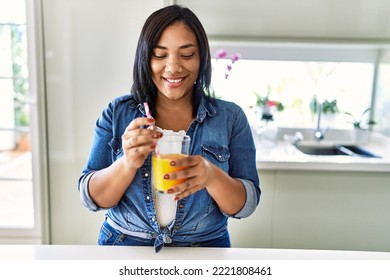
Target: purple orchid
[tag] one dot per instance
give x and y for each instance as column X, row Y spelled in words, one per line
column 220, row 54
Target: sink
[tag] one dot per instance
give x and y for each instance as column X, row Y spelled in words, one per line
column 336, row 150
column 358, row 151
column 332, row 136
column 321, row 150
column 337, row 142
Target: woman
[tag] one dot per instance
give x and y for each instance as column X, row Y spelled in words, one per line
column 172, row 72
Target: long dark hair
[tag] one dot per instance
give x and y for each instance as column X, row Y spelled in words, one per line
column 143, row 87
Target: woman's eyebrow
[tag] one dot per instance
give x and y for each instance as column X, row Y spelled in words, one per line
column 186, row 46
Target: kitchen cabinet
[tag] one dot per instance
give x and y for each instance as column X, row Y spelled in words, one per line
column 255, row 231
column 319, row 210
column 300, row 19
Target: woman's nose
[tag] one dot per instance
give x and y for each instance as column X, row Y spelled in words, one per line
column 173, row 65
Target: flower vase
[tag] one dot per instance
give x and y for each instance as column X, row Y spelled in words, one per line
column 267, row 133
column 328, row 119
column 360, row 136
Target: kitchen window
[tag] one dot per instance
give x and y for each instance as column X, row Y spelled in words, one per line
column 20, row 183
column 296, row 75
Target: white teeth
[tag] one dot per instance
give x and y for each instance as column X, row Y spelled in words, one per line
column 174, row 80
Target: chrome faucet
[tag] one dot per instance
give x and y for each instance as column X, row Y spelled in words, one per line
column 319, row 133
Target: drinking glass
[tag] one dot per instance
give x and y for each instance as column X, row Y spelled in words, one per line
column 168, row 148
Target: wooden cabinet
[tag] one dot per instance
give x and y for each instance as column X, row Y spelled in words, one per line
column 319, row 210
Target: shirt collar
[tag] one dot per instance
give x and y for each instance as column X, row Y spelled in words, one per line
column 206, row 107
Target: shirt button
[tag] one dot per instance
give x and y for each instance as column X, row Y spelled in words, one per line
column 147, row 197
column 153, row 218
column 181, row 205
column 146, row 175
column 219, row 156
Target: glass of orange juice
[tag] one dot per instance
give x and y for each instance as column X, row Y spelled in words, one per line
column 168, row 148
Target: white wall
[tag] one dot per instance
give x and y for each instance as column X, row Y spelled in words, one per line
column 89, row 50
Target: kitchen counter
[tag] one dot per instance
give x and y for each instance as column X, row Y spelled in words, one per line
column 284, row 156
column 320, row 202
column 92, row 252
column 125, row 262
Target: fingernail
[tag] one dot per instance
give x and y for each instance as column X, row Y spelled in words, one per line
column 166, row 176
column 175, row 198
column 153, row 146
column 151, row 120
column 172, row 163
column 157, row 135
column 169, row 191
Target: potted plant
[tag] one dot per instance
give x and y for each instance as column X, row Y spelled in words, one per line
column 22, row 126
column 266, row 105
column 328, row 109
column 23, row 143
column 327, row 106
column 363, row 122
column 361, row 125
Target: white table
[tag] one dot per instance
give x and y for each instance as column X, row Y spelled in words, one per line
column 90, row 252
column 47, row 262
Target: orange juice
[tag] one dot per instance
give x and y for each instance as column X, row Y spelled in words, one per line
column 160, row 167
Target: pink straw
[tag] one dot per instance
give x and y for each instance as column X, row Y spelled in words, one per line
column 147, row 111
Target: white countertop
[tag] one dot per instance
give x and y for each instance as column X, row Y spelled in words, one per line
column 95, row 252
column 283, row 156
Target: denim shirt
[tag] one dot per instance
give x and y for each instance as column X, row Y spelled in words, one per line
column 220, row 133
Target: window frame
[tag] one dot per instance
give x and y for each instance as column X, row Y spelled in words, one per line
column 39, row 234
column 305, row 50
column 302, row 51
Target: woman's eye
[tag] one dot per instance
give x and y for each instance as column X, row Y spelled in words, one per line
column 188, row 55
column 157, row 55
column 161, row 56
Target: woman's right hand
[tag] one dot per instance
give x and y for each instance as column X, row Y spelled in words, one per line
column 138, row 142
column 107, row 185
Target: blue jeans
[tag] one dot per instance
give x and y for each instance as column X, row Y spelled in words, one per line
column 110, row 236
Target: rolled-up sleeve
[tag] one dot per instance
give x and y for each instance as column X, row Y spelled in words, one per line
column 85, row 197
column 100, row 156
column 251, row 202
column 242, row 163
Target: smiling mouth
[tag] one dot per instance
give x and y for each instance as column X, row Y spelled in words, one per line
column 174, row 81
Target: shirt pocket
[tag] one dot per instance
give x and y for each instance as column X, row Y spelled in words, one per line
column 116, row 147
column 219, row 155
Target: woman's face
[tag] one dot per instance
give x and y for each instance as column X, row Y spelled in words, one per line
column 175, row 62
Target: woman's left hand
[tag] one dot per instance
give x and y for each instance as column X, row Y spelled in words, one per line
column 197, row 173
column 229, row 193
